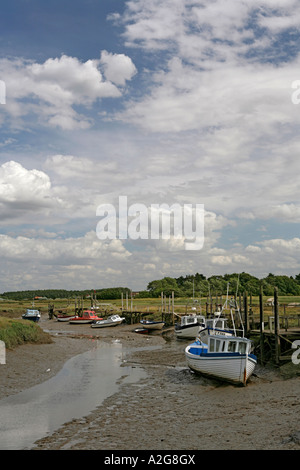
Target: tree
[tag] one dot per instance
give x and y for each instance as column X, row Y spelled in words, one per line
column 165, row 285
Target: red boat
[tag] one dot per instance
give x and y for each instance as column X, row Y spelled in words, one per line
column 88, row 316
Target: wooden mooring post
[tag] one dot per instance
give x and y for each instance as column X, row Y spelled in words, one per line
column 246, row 318
column 274, row 340
column 261, row 325
column 276, row 326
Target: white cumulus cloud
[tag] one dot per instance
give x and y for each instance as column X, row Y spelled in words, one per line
column 54, row 88
column 23, row 192
column 118, row 68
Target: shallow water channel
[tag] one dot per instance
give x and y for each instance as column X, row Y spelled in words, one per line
column 81, row 385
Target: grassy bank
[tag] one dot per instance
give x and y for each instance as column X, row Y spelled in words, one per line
column 17, row 332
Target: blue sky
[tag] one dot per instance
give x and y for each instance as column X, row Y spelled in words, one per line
column 40, row 29
column 181, row 101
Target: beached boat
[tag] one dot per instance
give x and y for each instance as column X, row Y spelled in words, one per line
column 65, row 318
column 222, row 352
column 113, row 320
column 141, row 331
column 152, row 325
column 189, row 326
column 225, row 357
column 31, row 314
column 88, row 316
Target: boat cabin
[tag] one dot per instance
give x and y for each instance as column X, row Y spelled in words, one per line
column 220, row 323
column 215, row 326
column 31, row 314
column 228, row 345
column 89, row 314
column 188, row 320
column 222, row 344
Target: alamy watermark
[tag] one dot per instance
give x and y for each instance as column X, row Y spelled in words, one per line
column 296, row 94
column 2, row 92
column 295, row 358
column 159, row 221
column 2, row 353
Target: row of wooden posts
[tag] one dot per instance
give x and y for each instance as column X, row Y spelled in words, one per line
column 269, row 339
column 279, row 340
column 272, row 342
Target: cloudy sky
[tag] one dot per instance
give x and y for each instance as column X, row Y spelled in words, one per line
column 173, row 102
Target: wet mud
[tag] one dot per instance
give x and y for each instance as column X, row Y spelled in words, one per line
column 170, row 408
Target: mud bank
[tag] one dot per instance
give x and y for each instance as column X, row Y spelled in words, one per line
column 170, row 409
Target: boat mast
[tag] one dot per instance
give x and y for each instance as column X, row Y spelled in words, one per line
column 230, row 306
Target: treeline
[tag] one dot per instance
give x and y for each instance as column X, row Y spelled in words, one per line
column 101, row 294
column 184, row 286
column 198, row 285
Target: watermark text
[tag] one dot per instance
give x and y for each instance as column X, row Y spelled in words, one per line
column 2, row 92
column 295, row 355
column 159, row 221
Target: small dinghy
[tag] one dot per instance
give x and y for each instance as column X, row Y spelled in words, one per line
column 141, row 331
column 113, row 320
column 62, row 317
column 31, row 314
column 152, row 325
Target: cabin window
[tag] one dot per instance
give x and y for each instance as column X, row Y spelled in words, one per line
column 211, row 344
column 218, row 344
column 231, row 346
column 219, row 324
column 242, row 347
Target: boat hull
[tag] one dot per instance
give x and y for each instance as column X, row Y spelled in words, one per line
column 141, row 331
column 31, row 318
column 65, row 318
column 152, row 325
column 188, row 332
column 81, row 321
column 106, row 323
column 33, row 315
column 232, row 367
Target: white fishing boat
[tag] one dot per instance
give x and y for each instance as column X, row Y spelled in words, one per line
column 32, row 314
column 113, row 320
column 189, row 326
column 221, row 353
column 223, row 357
column 152, row 325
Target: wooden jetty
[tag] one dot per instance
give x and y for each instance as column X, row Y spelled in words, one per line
column 132, row 315
column 276, row 335
column 271, row 326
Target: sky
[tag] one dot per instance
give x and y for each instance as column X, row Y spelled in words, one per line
column 175, row 102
